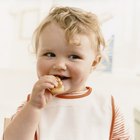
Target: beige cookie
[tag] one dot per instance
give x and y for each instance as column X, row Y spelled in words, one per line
column 59, row 89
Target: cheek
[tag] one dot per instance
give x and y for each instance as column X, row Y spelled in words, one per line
column 84, row 75
column 42, row 68
column 80, row 73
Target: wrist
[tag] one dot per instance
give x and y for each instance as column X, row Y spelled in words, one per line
column 34, row 106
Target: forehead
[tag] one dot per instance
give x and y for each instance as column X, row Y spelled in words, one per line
column 54, row 35
column 51, row 33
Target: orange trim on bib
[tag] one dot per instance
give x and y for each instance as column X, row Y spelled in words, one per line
column 66, row 96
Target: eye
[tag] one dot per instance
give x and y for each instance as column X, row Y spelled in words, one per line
column 74, row 57
column 49, row 54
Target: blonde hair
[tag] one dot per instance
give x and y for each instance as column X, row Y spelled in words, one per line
column 73, row 21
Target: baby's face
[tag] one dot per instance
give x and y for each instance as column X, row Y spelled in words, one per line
column 71, row 63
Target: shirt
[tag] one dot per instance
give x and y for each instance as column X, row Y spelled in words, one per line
column 91, row 115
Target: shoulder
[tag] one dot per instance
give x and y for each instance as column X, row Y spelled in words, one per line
column 101, row 97
column 101, row 101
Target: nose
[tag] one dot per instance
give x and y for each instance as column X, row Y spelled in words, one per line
column 60, row 65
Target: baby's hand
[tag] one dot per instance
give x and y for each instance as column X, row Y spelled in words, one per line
column 59, row 89
column 42, row 89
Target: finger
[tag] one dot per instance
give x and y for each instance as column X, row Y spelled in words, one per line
column 59, row 81
column 44, row 86
column 49, row 79
column 48, row 97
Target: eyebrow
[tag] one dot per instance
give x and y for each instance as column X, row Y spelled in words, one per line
column 45, row 49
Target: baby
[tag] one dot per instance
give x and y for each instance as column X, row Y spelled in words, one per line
column 61, row 107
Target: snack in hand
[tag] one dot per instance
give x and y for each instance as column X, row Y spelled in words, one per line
column 59, row 89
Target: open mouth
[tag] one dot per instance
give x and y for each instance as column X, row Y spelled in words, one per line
column 62, row 77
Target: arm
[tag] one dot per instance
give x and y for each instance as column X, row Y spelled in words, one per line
column 119, row 128
column 25, row 123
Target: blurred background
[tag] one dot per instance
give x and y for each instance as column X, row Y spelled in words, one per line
column 120, row 75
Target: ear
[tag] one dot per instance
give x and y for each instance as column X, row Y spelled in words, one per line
column 96, row 61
